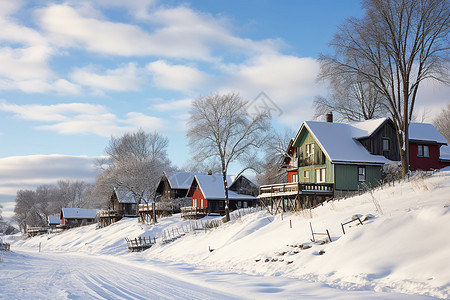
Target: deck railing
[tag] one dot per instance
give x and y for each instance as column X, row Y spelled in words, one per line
column 158, row 206
column 191, row 211
column 292, row 188
column 110, row 213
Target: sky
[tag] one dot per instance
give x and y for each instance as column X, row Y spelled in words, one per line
column 75, row 73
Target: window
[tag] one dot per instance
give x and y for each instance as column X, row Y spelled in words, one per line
column 294, row 177
column 320, row 175
column 194, row 202
column 245, row 204
column 309, row 149
column 361, row 174
column 386, row 144
column 201, row 203
column 422, row 151
column 306, row 174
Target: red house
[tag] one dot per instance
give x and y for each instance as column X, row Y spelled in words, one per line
column 208, row 195
column 425, row 143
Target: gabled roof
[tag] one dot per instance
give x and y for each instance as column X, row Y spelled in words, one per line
column 78, row 213
column 124, row 196
column 212, row 187
column 54, row 220
column 426, row 133
column 181, row 180
column 367, row 128
column 339, row 142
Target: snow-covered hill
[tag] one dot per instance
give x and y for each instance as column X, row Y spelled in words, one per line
column 403, row 247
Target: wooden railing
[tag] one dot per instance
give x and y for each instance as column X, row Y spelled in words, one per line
column 158, row 206
column 191, row 211
column 285, row 189
column 110, row 213
column 5, row 247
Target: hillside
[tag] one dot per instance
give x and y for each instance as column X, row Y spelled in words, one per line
column 402, row 247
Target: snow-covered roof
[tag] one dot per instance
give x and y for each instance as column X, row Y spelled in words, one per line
column 338, row 141
column 445, row 152
column 181, row 180
column 366, row 128
column 212, row 187
column 425, row 132
column 124, row 196
column 54, row 220
column 78, row 213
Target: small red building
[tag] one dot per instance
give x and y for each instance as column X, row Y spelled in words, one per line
column 207, row 193
column 425, row 143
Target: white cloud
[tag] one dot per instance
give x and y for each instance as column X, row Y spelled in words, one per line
column 182, row 104
column 176, row 77
column 177, row 33
column 28, row 172
column 82, row 118
column 289, row 81
column 24, row 63
column 124, row 78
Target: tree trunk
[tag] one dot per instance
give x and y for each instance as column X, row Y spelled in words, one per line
column 225, row 186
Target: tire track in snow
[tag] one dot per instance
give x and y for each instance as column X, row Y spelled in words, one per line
column 72, row 276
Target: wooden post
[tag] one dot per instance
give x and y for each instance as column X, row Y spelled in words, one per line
column 329, row 236
column 342, row 225
column 154, row 212
column 312, row 232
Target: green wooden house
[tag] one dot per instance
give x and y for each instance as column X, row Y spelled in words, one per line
column 333, row 153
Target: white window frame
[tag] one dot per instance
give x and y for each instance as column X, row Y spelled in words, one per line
column 362, row 176
column 294, row 177
column 306, row 174
column 321, row 175
column 423, row 151
column 310, row 149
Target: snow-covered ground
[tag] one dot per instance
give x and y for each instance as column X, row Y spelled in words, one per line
column 403, row 248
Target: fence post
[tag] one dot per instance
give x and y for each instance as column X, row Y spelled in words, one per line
column 329, row 236
column 312, row 232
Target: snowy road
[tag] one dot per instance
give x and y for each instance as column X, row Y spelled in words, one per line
column 31, row 275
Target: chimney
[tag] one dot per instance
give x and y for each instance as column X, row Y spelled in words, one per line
column 209, row 172
column 329, row 117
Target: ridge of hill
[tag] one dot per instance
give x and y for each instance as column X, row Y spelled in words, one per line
column 403, row 245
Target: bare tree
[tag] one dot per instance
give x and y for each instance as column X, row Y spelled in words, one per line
column 275, row 152
column 220, row 128
column 442, row 122
column 136, row 162
column 394, row 47
column 351, row 98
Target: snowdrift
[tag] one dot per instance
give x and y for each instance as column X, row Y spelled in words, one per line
column 403, row 245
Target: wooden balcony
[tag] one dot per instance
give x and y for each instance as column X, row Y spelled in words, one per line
column 295, row 188
column 191, row 212
column 110, row 213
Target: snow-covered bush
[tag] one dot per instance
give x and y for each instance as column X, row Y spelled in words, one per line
column 391, row 172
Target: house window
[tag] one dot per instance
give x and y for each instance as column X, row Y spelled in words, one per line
column 194, row 202
column 201, row 203
column 422, row 151
column 361, row 174
column 309, row 149
column 386, row 144
column 306, row 174
column 245, row 204
column 320, row 175
column 294, row 177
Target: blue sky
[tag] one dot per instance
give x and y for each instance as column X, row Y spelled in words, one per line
column 75, row 73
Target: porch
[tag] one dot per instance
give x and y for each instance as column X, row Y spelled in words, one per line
column 294, row 196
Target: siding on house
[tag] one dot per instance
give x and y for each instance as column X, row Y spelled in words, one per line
column 421, row 162
column 347, row 177
column 313, row 162
column 374, row 143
